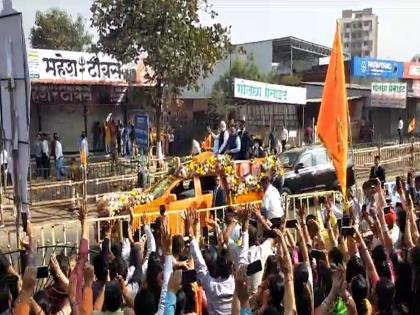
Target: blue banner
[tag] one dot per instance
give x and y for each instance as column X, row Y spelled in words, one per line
column 141, row 127
column 387, row 69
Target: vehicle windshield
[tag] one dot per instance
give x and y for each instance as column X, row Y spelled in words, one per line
column 159, row 188
column 289, row 158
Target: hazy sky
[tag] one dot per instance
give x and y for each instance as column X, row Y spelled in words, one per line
column 313, row 20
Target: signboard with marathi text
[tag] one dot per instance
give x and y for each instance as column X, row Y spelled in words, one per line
column 367, row 67
column 411, row 70
column 389, row 94
column 45, row 64
column 260, row 91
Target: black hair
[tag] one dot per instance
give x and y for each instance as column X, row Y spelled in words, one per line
column 355, row 267
column 271, row 310
column 276, row 288
column 135, row 261
column 359, row 291
column 415, row 267
column 4, row 296
column 100, row 267
column 401, row 220
column 271, row 267
column 253, row 235
column 180, row 302
column 118, row 267
column 224, row 265
column 189, row 298
column 380, row 261
column 41, row 298
column 177, row 245
column 385, row 293
column 302, row 294
column 116, row 250
column 64, row 263
column 335, row 256
column 113, row 297
column 144, row 303
column 210, row 257
column 154, row 267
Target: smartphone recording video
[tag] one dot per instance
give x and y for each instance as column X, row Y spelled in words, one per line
column 42, row 272
column 254, row 267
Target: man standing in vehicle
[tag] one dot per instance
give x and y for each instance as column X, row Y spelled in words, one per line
column 378, row 171
column 245, row 141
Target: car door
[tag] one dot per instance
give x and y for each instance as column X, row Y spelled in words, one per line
column 324, row 170
column 304, row 176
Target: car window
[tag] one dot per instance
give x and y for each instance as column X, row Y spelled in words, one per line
column 320, row 157
column 208, row 184
column 184, row 189
column 306, row 160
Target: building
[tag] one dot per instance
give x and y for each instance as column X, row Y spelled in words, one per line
column 359, row 31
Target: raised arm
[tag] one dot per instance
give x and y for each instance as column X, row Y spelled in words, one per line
column 287, row 268
column 367, row 259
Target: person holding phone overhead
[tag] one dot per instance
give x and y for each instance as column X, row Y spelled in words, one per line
column 378, row 171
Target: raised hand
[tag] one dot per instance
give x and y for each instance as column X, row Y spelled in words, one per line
column 29, row 280
column 241, row 286
column 88, row 274
column 175, row 281
column 166, row 238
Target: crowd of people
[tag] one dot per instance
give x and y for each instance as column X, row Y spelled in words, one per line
column 357, row 259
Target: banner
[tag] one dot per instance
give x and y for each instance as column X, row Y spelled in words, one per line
column 387, row 69
column 48, row 64
column 141, row 128
column 411, row 70
column 388, row 94
column 260, row 91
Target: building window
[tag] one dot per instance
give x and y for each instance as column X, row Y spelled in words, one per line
column 346, row 45
column 366, row 23
column 347, row 25
column 365, row 43
column 347, row 35
column 366, row 33
column 358, row 15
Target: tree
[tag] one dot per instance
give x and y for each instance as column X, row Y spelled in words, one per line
column 55, row 29
column 168, row 34
column 222, row 93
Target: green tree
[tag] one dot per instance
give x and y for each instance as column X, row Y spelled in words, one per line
column 222, row 93
column 55, row 29
column 168, row 34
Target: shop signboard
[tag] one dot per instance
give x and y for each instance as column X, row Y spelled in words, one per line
column 56, row 65
column 389, row 94
column 412, row 70
column 141, row 128
column 416, row 88
column 386, row 69
column 260, row 91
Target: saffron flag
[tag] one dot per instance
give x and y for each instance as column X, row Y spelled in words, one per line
column 83, row 160
column 333, row 121
column 412, row 127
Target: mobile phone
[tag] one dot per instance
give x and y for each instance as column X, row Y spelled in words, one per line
column 347, row 231
column 143, row 238
column 269, row 234
column 125, row 229
column 42, row 272
column 24, row 221
column 189, row 276
column 291, row 224
column 254, row 267
column 162, row 209
column 206, row 233
column 317, row 254
column 387, row 210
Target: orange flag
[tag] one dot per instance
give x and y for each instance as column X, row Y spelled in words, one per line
column 83, row 160
column 333, row 121
column 412, row 126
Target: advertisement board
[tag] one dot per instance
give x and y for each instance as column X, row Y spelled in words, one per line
column 367, row 67
column 411, row 70
column 260, row 91
column 388, row 94
column 141, row 128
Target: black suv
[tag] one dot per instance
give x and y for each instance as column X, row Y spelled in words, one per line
column 309, row 169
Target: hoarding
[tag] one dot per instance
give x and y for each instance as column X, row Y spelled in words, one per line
column 411, row 70
column 388, row 94
column 141, row 128
column 260, row 91
column 367, row 67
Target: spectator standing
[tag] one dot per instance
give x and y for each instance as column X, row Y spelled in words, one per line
column 107, row 138
column 272, row 141
column 400, row 129
column 272, row 206
column 52, row 153
column 233, row 146
column 84, row 144
column 308, row 135
column 378, row 171
column 284, row 137
column 3, row 162
column 246, row 142
column 119, row 137
column 171, row 142
column 45, row 156
column 38, row 154
column 59, row 157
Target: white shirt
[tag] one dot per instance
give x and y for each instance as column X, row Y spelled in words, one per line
column 219, row 292
column 195, row 147
column 3, row 157
column 216, row 146
column 253, row 253
column 272, row 203
column 337, row 213
column 58, row 149
column 284, row 135
column 45, row 149
column 400, row 124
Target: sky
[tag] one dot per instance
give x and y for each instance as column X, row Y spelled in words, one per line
column 312, row 20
